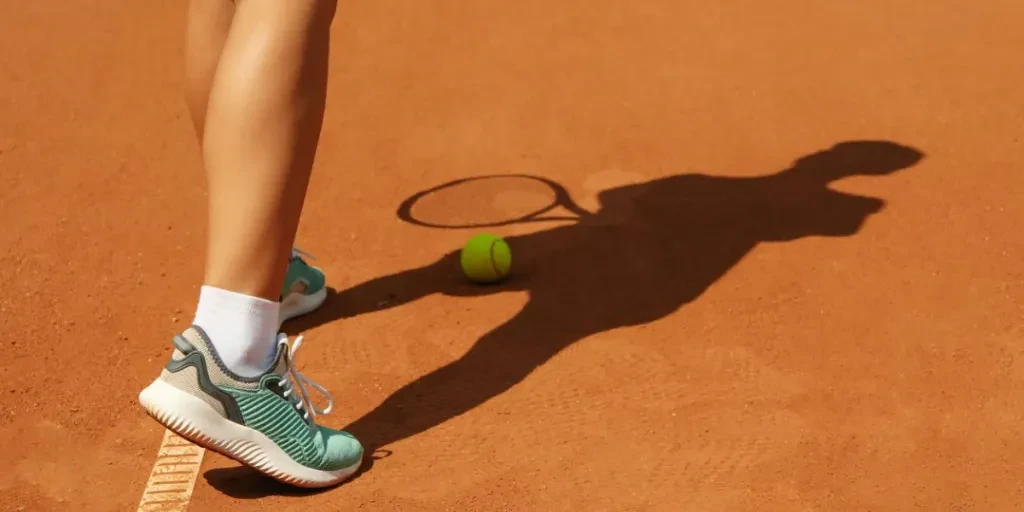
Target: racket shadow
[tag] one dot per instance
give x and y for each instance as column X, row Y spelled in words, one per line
column 651, row 248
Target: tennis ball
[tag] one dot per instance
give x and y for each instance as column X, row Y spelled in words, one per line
column 486, row 258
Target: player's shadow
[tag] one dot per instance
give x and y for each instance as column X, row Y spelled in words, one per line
column 650, row 249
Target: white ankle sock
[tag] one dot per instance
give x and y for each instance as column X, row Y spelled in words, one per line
column 242, row 328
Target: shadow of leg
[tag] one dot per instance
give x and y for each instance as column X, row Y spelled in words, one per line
column 501, row 359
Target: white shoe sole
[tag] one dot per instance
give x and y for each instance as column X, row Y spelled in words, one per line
column 297, row 304
column 192, row 418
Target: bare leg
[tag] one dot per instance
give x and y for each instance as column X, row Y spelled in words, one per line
column 262, row 127
column 208, row 27
column 229, row 385
column 205, row 35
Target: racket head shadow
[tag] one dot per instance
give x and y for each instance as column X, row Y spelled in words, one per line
column 489, row 201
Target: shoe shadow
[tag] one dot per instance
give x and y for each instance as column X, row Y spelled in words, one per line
column 243, row 482
column 652, row 248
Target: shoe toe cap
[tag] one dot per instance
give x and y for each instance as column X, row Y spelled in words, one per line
column 341, row 449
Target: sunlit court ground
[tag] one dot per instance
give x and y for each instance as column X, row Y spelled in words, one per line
column 789, row 277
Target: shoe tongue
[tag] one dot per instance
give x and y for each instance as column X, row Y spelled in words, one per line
column 280, row 366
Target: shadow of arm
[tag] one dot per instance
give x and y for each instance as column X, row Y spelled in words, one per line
column 396, row 289
column 443, row 276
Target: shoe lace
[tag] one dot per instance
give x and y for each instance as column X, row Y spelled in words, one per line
column 302, row 403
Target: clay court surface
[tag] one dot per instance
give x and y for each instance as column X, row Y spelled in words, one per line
column 743, row 328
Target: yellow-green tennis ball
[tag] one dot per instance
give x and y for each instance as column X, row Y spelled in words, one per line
column 486, row 258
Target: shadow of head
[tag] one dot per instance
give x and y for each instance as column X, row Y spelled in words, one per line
column 793, row 203
column 855, row 158
column 834, row 213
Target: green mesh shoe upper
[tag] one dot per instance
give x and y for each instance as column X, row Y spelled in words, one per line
column 301, row 277
column 275, row 404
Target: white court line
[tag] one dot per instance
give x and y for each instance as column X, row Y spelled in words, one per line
column 174, row 474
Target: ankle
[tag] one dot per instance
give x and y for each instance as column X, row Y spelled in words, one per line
column 242, row 328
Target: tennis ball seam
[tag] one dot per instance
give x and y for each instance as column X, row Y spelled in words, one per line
column 494, row 262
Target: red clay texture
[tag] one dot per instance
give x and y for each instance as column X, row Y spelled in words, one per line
column 800, row 289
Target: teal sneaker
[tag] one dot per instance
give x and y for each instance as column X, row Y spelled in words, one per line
column 261, row 421
column 304, row 287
